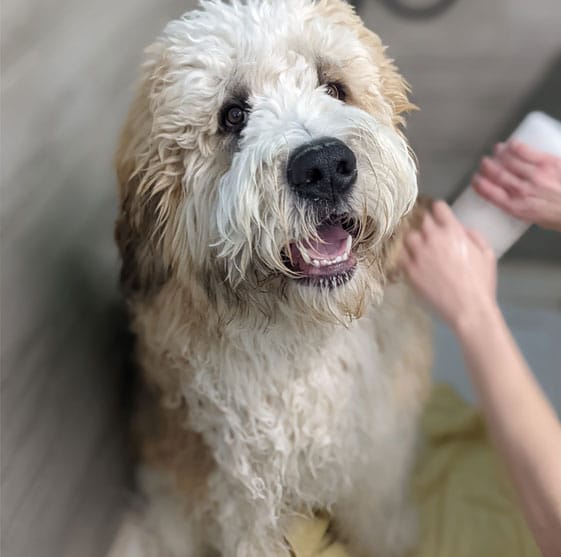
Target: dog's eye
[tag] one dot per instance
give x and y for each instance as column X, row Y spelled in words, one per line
column 234, row 117
column 336, row 91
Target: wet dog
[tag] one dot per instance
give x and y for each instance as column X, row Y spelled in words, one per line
column 265, row 184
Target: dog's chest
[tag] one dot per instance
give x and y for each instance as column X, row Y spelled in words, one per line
column 290, row 423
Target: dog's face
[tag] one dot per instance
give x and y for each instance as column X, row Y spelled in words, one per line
column 262, row 158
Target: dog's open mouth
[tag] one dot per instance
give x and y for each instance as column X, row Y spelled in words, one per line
column 328, row 259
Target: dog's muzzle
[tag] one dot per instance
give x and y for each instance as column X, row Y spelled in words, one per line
column 323, row 170
column 323, row 173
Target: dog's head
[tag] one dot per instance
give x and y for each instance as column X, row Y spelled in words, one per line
column 263, row 158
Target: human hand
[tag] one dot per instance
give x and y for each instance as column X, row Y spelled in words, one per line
column 523, row 182
column 451, row 267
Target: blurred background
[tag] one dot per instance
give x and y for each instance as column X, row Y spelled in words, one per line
column 68, row 69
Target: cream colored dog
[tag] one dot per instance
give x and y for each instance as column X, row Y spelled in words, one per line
column 264, row 185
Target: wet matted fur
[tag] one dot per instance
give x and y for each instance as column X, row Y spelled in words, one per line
column 269, row 393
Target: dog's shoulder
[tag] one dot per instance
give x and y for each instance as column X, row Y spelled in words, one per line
column 164, row 442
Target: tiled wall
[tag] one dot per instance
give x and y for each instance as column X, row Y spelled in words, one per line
column 468, row 69
column 67, row 69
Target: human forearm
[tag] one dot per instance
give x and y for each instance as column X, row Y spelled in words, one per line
column 454, row 270
column 522, row 422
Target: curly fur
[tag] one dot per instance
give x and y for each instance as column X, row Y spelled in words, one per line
column 268, row 397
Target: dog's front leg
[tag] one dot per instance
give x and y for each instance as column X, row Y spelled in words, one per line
column 244, row 526
column 378, row 528
column 378, row 517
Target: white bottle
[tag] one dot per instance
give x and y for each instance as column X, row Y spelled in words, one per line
column 501, row 230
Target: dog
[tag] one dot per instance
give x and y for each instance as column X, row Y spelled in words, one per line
column 265, row 185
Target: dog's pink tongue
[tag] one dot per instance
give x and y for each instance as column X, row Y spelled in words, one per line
column 332, row 242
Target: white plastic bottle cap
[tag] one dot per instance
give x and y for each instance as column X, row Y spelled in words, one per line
column 501, row 230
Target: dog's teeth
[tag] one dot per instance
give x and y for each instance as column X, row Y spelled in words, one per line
column 349, row 245
column 325, row 262
column 305, row 256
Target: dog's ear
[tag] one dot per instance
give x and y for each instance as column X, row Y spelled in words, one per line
column 150, row 194
column 393, row 87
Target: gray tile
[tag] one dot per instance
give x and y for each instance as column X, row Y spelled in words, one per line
column 537, row 332
column 469, row 69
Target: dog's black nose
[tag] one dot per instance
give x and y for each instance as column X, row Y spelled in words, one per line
column 324, row 169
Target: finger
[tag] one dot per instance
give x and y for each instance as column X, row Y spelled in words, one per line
column 499, row 148
column 538, row 159
column 492, row 192
column 412, row 242
column 443, row 215
column 478, row 240
column 428, row 225
column 525, row 152
column 502, row 176
column 524, row 170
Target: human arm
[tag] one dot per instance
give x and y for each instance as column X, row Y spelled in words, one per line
column 521, row 420
column 455, row 271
